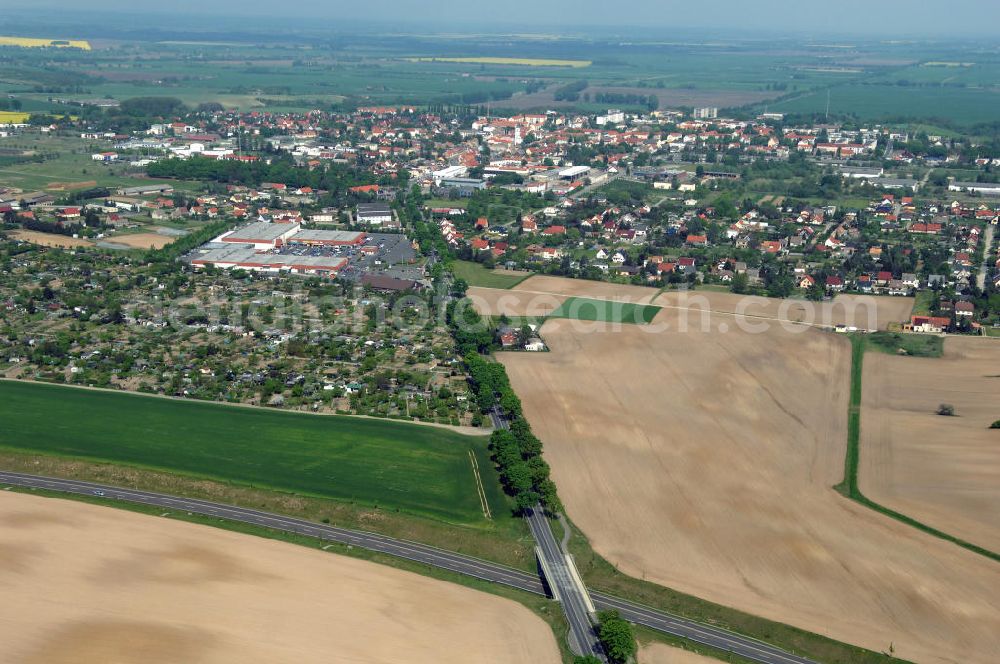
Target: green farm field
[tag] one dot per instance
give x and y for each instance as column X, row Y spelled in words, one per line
column 872, row 102
column 478, row 275
column 605, row 311
column 396, row 466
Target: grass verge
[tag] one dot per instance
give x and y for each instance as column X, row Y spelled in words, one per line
column 849, row 486
column 477, row 275
column 506, row 540
column 646, row 636
column 544, row 608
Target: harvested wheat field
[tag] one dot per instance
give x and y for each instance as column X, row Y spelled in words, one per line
column 86, row 584
column 943, row 471
column 862, row 311
column 540, row 295
column 500, row 301
column 704, row 461
column 598, row 290
column 141, row 240
column 657, row 653
column 51, row 239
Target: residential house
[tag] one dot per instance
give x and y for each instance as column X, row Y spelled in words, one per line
column 928, row 324
column 965, row 309
column 835, row 283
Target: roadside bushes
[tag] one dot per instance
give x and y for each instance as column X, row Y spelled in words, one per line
column 523, row 471
column 472, row 334
column 517, row 452
column 616, row 636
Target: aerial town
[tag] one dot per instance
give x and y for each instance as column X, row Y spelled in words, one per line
column 662, row 199
column 330, row 335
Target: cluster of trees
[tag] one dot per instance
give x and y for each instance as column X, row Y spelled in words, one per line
column 651, row 102
column 179, row 247
column 153, row 107
column 133, row 114
column 51, row 227
column 336, row 180
column 472, row 334
column 616, row 636
column 523, row 471
column 491, row 385
column 571, row 91
column 517, row 452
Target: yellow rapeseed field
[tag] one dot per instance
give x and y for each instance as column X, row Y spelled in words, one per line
column 529, row 62
column 29, row 42
column 13, row 117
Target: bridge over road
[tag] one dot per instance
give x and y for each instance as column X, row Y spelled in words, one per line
column 709, row 635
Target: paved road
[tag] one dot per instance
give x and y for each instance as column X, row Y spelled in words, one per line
column 423, row 553
column 582, row 637
column 987, row 257
column 481, row 569
column 751, row 649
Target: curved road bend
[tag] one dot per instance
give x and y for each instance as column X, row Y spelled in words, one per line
column 667, row 623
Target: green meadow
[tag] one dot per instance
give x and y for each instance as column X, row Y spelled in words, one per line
column 393, row 465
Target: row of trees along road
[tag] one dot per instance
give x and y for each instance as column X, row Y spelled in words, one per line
column 517, row 452
column 615, row 634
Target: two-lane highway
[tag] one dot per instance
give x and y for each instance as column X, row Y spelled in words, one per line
column 751, row 649
column 421, row 553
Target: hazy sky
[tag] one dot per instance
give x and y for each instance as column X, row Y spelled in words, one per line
column 887, row 18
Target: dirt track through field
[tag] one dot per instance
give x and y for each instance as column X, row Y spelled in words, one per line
column 943, row 471
column 84, row 584
column 704, row 461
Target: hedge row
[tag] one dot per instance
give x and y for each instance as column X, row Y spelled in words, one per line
column 517, row 452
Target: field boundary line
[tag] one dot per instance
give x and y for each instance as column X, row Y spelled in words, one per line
column 465, row 431
column 849, row 487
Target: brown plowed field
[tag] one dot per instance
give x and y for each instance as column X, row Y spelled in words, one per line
column 84, row 584
column 704, row 461
column 943, row 471
column 657, row 653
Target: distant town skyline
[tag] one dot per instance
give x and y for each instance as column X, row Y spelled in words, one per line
column 889, row 19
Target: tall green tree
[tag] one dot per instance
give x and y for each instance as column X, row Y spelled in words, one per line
column 616, row 636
